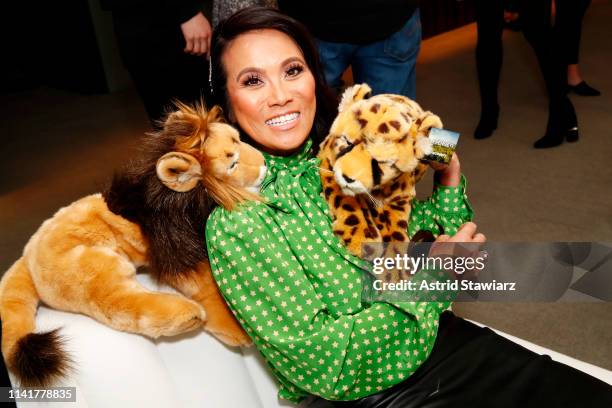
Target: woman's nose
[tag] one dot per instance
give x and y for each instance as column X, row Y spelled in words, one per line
column 279, row 94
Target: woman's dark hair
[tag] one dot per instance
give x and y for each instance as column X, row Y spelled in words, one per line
column 260, row 18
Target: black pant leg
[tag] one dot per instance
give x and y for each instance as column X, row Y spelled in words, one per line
column 569, row 24
column 183, row 78
column 472, row 366
column 152, row 51
column 489, row 51
column 546, row 42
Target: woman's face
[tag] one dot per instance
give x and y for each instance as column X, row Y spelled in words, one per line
column 271, row 91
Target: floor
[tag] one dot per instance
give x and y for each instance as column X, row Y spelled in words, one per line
column 60, row 146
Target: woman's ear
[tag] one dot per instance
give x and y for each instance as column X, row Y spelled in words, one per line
column 179, row 171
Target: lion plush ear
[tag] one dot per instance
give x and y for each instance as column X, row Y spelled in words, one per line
column 353, row 94
column 179, row 171
column 215, row 115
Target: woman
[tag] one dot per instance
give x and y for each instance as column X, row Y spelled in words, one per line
column 535, row 21
column 292, row 284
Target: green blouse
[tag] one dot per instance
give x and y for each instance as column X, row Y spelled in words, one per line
column 296, row 290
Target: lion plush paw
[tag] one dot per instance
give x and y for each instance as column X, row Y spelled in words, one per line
column 232, row 338
column 191, row 317
column 170, row 316
column 225, row 328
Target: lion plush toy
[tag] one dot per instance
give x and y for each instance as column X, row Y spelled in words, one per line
column 84, row 258
column 370, row 164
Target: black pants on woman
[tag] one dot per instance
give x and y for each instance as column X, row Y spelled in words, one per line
column 472, row 366
column 535, row 21
column 569, row 23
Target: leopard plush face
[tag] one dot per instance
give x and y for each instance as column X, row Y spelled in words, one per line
column 375, row 140
column 370, row 163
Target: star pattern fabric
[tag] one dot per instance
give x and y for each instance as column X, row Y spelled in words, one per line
column 296, row 290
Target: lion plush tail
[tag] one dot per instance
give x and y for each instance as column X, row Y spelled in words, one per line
column 36, row 359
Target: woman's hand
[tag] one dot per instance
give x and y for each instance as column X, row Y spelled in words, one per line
column 466, row 233
column 466, row 243
column 448, row 175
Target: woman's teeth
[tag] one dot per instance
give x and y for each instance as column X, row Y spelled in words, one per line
column 283, row 120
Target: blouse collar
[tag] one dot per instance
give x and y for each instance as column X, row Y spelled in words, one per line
column 276, row 163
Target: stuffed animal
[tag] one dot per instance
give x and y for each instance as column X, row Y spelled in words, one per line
column 370, row 164
column 84, row 258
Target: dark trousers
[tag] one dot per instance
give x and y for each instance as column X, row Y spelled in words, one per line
column 569, row 23
column 472, row 366
column 544, row 39
column 152, row 51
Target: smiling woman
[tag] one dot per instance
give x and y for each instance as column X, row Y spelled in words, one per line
column 273, row 101
column 266, row 76
column 296, row 289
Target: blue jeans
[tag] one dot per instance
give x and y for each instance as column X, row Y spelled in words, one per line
column 388, row 66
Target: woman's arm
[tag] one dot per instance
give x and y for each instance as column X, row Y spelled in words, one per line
column 283, row 307
column 447, row 175
column 448, row 207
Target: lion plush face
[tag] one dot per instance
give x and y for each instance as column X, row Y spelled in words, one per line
column 209, row 151
column 194, row 163
column 232, row 160
column 376, row 139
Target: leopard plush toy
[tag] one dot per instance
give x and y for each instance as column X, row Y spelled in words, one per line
column 370, row 164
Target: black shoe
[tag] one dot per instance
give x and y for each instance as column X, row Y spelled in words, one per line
column 555, row 139
column 572, row 135
column 583, row 89
column 487, row 125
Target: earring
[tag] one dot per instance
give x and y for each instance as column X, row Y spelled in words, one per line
column 210, row 83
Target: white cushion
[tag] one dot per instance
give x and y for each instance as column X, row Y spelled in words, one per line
column 195, row 370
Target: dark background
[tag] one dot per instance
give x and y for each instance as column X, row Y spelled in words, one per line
column 55, row 43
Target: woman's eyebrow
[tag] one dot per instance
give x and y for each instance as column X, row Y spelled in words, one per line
column 292, row 59
column 247, row 69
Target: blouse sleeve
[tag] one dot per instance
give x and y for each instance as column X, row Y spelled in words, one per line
column 443, row 213
column 310, row 349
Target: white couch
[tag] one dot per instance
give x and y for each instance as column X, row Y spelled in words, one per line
column 117, row 369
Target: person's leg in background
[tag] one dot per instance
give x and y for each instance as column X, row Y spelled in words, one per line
column 489, row 57
column 152, row 52
column 537, row 28
column 389, row 65
column 335, row 59
column 568, row 22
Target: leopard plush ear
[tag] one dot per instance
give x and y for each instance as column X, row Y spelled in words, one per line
column 423, row 145
column 428, row 121
column 353, row 94
column 179, row 171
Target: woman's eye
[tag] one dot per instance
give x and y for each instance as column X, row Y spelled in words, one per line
column 295, row 70
column 251, row 80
